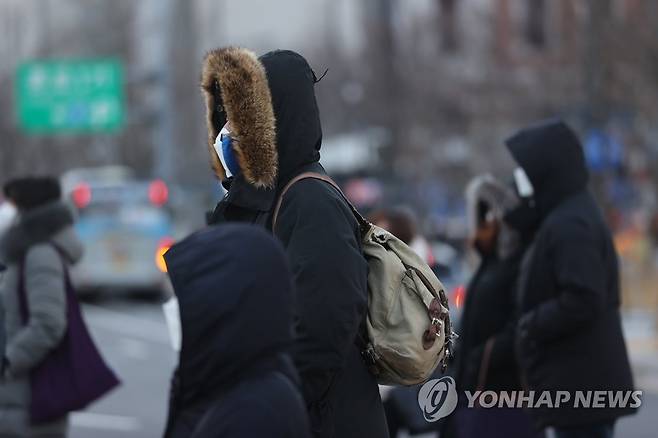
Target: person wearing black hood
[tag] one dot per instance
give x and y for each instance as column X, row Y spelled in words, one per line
column 235, row 377
column 569, row 336
column 263, row 131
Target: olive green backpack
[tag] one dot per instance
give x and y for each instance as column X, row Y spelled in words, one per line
column 408, row 324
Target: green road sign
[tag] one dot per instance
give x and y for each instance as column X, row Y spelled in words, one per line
column 70, row 96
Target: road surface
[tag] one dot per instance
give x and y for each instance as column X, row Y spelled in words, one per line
column 133, row 338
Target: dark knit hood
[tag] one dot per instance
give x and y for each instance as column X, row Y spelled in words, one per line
column 235, row 294
column 553, row 158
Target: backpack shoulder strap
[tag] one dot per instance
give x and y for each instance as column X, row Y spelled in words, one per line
column 22, row 293
column 364, row 225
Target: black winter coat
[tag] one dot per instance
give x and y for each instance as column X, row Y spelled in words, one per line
column 322, row 240
column 235, row 377
column 489, row 318
column 570, row 335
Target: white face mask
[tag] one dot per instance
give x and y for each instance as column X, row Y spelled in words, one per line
column 8, row 214
column 172, row 317
column 220, row 150
column 523, row 184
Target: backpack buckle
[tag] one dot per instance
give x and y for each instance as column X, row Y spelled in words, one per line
column 370, row 358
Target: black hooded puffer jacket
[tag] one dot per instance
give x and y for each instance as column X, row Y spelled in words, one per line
column 317, row 229
column 570, row 335
column 235, row 377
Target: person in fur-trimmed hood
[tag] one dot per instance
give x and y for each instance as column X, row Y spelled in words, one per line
column 263, row 130
column 43, row 221
column 484, row 357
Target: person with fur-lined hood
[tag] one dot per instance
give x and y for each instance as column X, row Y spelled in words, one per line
column 484, row 358
column 263, row 131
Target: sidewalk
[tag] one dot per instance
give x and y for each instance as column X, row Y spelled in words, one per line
column 642, row 340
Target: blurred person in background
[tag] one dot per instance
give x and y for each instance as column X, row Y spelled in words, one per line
column 7, row 216
column 400, row 402
column 43, row 220
column 263, row 131
column 484, row 357
column 235, row 376
column 569, row 335
column 402, row 223
column 653, row 234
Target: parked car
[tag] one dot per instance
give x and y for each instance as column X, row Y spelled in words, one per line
column 126, row 228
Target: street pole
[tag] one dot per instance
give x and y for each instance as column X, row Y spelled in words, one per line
column 382, row 16
column 596, row 63
column 184, row 68
column 163, row 153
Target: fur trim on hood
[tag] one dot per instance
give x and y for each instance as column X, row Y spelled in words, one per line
column 235, row 86
column 498, row 198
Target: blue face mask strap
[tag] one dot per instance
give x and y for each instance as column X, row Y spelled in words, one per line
column 229, row 154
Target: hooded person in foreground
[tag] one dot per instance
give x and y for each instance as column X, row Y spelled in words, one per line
column 569, row 336
column 235, row 377
column 273, row 134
